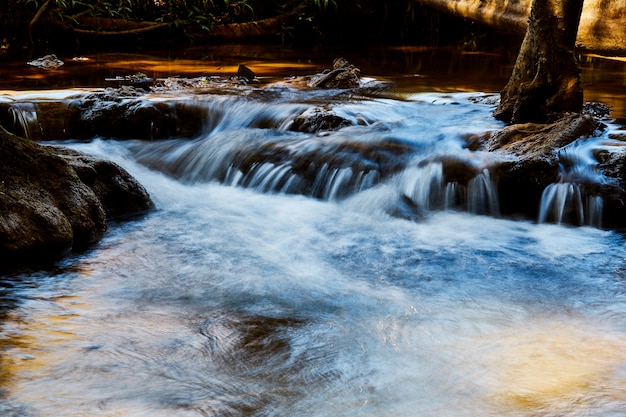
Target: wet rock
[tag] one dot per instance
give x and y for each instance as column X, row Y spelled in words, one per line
column 536, row 162
column 474, row 141
column 597, row 110
column 39, row 121
column 122, row 113
column 53, row 201
column 613, row 165
column 118, row 192
column 457, row 169
column 532, row 140
column 47, row 62
column 138, row 80
column 343, row 75
column 318, row 119
column 246, row 73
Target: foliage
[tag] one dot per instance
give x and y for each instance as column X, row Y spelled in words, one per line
column 325, row 5
column 204, row 13
column 39, row 22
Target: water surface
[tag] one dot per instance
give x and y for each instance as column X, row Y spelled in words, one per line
column 244, row 298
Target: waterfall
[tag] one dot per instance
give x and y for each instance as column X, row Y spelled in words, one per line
column 232, row 113
column 331, row 184
column 566, row 202
column 482, row 195
column 328, row 184
column 426, row 187
column 24, row 119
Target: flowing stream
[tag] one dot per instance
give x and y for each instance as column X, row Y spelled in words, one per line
column 367, row 287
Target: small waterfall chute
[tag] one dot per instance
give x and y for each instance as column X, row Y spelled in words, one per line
column 335, row 183
column 23, row 118
column 329, row 184
column 567, row 203
column 482, row 195
column 225, row 113
column 426, row 187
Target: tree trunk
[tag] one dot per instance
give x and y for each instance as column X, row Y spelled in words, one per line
column 546, row 76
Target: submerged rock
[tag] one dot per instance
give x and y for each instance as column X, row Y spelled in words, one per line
column 53, row 200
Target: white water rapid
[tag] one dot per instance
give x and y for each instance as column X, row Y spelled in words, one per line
column 333, row 274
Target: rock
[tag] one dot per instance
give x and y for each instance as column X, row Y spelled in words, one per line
column 138, row 80
column 598, row 110
column 38, row 121
column 48, row 62
column 119, row 193
column 54, row 200
column 343, row 75
column 121, row 113
column 532, row 140
column 522, row 179
column 318, row 119
column 246, row 73
column 536, row 162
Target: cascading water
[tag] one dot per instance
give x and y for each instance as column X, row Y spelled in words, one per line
column 427, row 188
column 482, row 195
column 247, row 143
column 241, row 295
column 566, row 202
column 23, row 119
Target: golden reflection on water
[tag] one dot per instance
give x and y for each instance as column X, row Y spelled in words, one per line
column 547, row 367
column 184, row 67
column 32, row 346
column 610, row 58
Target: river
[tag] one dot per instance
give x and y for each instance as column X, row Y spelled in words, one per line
column 242, row 295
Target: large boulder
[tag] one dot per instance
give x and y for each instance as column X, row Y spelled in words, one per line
column 54, row 200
